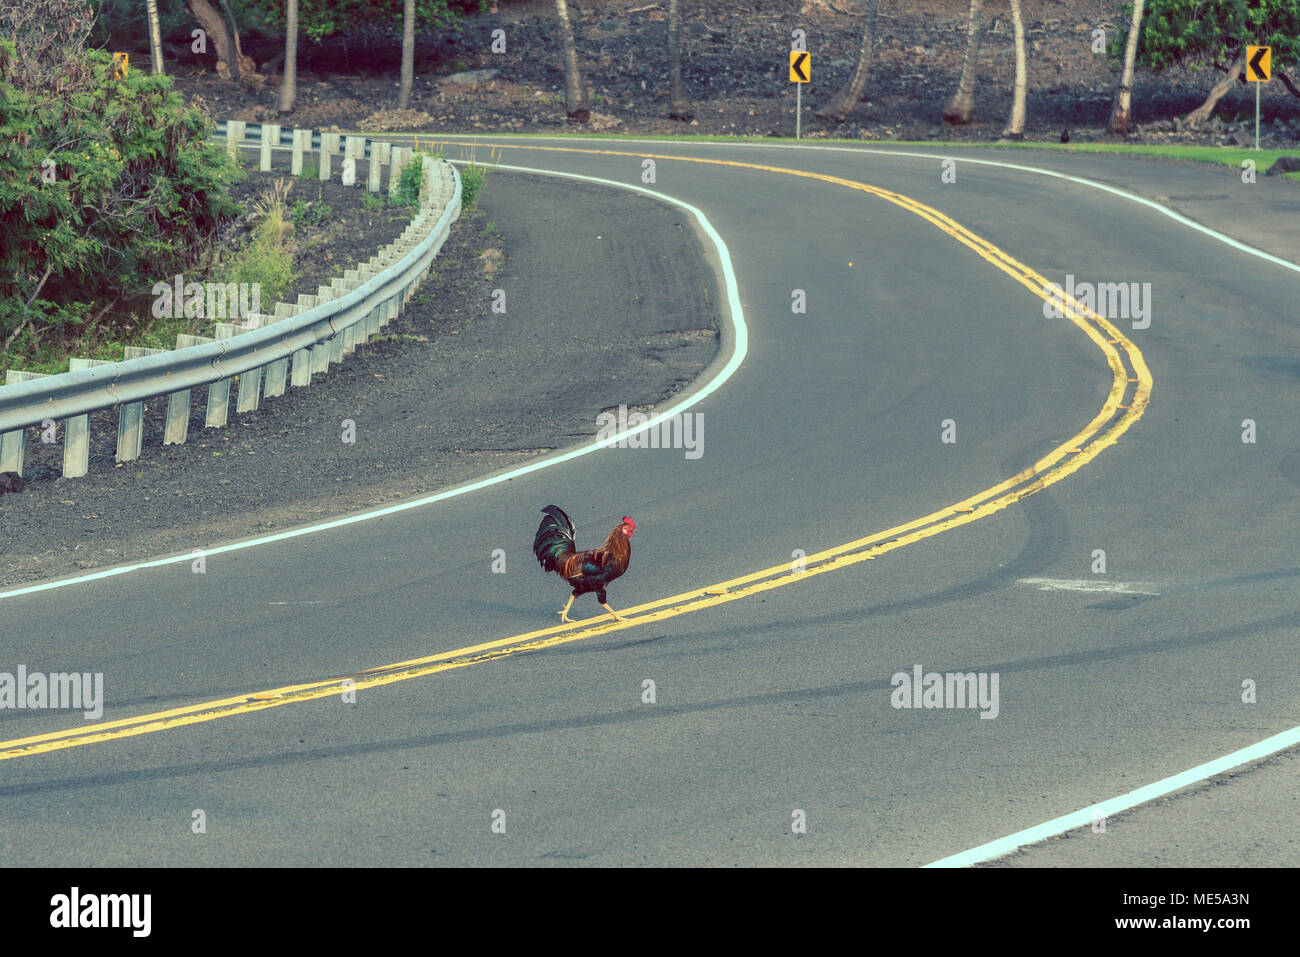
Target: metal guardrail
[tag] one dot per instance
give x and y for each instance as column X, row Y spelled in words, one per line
column 283, row 137
column 314, row 333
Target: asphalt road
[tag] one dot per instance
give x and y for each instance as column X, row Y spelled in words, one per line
column 773, row 709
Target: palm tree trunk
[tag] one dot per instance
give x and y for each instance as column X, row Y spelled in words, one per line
column 1121, row 116
column 679, row 101
column 244, row 64
column 962, row 105
column 289, row 80
column 408, row 55
column 1016, row 125
column 575, row 96
column 155, row 38
column 219, row 33
column 843, row 103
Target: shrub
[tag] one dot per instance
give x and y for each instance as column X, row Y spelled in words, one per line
column 107, row 185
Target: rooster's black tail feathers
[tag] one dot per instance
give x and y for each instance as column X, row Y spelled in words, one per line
column 554, row 538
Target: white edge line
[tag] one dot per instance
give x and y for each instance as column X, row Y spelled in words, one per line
column 1085, row 817
column 739, row 351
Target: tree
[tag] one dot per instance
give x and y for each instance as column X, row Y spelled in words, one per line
column 110, row 181
column 679, row 101
column 575, row 94
column 839, row 106
column 155, row 38
column 1121, row 116
column 408, row 55
column 228, row 61
column 1016, row 125
column 1217, row 32
column 962, row 105
column 1218, row 91
column 289, row 79
column 245, row 64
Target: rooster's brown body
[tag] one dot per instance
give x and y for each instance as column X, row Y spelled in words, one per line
column 586, row 571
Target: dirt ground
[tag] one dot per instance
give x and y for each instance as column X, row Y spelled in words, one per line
column 735, row 66
column 449, row 392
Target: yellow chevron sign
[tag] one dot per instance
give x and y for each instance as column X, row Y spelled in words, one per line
column 800, row 66
column 1259, row 64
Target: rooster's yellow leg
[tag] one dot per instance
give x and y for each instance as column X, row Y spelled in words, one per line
column 564, row 612
column 613, row 612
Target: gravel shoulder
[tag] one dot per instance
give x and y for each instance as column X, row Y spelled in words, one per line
column 451, row 392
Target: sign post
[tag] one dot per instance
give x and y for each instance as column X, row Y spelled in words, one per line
column 800, row 73
column 1259, row 69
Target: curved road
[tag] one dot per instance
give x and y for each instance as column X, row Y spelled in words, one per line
column 772, row 737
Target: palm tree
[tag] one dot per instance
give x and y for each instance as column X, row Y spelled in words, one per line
column 1016, row 125
column 962, row 105
column 679, row 101
column 843, row 103
column 408, row 56
column 575, row 95
column 1121, row 117
column 289, row 81
column 155, row 38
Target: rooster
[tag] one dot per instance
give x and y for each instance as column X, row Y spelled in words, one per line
column 586, row 571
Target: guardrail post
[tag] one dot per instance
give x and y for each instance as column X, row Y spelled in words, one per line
column 218, row 392
column 401, row 155
column 429, row 174
column 234, row 135
column 250, row 382
column 317, row 360
column 334, row 344
column 329, row 147
column 379, row 158
column 302, row 359
column 354, row 148
column 276, row 372
column 13, row 444
column 369, row 325
column 76, row 431
column 130, row 418
column 301, row 144
column 355, row 278
column 340, row 288
column 270, row 138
